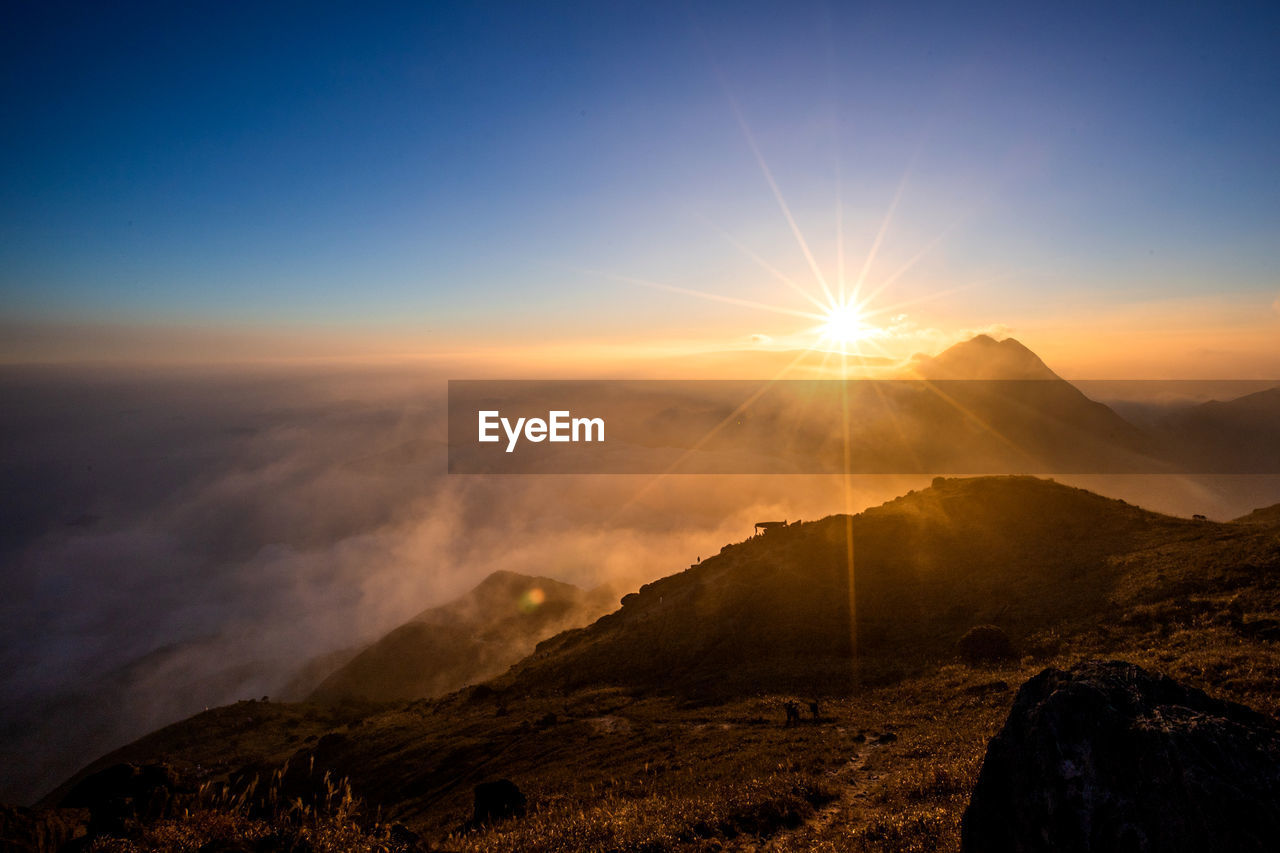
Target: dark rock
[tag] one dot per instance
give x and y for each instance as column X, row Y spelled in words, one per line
column 1110, row 757
column 887, row 737
column 124, row 795
column 25, row 830
column 497, row 801
column 984, row 644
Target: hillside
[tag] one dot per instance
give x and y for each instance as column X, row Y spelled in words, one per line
column 463, row 642
column 1267, row 515
column 661, row 723
column 773, row 613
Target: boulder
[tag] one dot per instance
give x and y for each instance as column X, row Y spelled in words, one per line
column 1110, row 757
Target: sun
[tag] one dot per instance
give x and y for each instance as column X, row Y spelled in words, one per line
column 844, row 323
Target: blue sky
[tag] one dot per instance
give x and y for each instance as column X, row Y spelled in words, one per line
column 461, row 169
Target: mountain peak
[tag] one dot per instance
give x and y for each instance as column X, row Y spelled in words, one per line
column 983, row 357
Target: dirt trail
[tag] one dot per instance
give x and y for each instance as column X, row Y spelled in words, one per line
column 854, row 782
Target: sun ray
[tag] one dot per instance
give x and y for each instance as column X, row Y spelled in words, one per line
column 914, row 259
column 772, row 270
column 880, row 235
column 891, row 308
column 714, row 297
column 711, row 433
column 975, row 418
column 847, row 489
column 782, row 202
column 839, row 231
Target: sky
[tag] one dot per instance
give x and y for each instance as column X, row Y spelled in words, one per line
column 353, row 179
column 556, row 189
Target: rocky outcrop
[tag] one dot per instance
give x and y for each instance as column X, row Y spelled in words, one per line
column 1110, row 757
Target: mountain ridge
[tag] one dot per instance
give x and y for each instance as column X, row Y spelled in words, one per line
column 774, row 613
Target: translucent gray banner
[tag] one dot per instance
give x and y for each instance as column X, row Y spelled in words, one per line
column 1040, row 426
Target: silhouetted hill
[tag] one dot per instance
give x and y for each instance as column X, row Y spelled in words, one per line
column 1267, row 515
column 463, row 642
column 1240, row 436
column 773, row 613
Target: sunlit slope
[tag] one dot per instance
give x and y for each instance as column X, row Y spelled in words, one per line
column 465, row 641
column 774, row 612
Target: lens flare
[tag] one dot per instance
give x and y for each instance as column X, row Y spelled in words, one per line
column 531, row 600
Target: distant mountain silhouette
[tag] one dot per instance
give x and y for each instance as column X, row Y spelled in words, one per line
column 1240, row 436
column 983, row 357
column 465, row 641
column 773, row 612
column 993, row 407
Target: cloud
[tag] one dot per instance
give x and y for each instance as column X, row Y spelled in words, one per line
column 906, row 335
column 188, row 540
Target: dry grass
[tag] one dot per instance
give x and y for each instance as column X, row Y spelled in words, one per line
column 681, row 817
column 653, row 777
column 248, row 817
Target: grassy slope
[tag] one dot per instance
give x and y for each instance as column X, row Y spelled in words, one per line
column 621, row 767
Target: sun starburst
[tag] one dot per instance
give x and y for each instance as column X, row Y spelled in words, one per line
column 845, row 323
